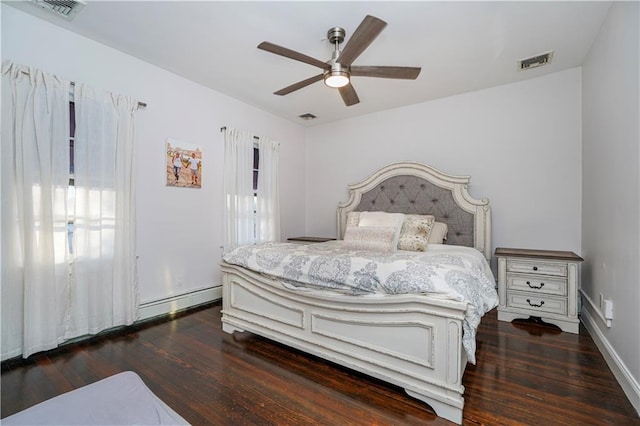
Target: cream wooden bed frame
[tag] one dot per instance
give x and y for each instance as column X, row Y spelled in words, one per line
column 413, row 341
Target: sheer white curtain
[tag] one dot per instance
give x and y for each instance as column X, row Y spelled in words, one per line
column 49, row 292
column 104, row 279
column 238, row 189
column 35, row 178
column 268, row 198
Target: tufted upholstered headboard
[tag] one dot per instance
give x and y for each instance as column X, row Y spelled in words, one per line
column 415, row 188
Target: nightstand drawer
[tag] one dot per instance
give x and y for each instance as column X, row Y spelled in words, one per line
column 537, row 267
column 537, row 303
column 537, row 284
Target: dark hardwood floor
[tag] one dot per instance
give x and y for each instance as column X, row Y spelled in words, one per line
column 526, row 374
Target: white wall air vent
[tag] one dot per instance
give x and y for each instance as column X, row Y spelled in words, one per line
column 535, row 61
column 66, row 8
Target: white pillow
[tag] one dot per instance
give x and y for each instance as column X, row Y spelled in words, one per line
column 415, row 232
column 370, row 238
column 393, row 220
column 353, row 218
column 438, row 233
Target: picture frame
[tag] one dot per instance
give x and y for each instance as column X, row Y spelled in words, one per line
column 183, row 164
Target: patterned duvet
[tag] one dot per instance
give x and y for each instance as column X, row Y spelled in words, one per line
column 455, row 272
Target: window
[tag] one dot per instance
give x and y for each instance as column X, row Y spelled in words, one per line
column 71, row 193
column 256, row 171
column 256, row 168
column 252, row 212
column 57, row 207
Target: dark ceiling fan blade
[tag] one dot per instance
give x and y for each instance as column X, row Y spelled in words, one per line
column 292, row 54
column 349, row 95
column 407, row 73
column 299, row 85
column 367, row 31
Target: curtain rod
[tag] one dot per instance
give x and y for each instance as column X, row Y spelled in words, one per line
column 223, row 128
column 140, row 104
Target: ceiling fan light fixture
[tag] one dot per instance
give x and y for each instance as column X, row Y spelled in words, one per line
column 336, row 79
column 337, row 76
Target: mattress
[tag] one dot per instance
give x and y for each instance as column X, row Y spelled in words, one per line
column 122, row 399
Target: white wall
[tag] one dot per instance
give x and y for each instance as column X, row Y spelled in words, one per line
column 520, row 142
column 179, row 230
column 611, row 191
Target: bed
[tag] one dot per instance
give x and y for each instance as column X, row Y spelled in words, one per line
column 414, row 341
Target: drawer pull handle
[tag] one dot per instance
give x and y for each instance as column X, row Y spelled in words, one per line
column 534, row 305
column 535, row 268
column 533, row 286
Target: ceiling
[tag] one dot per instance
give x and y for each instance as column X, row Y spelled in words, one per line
column 461, row 46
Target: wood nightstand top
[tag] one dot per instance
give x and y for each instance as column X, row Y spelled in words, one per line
column 540, row 254
column 311, row 239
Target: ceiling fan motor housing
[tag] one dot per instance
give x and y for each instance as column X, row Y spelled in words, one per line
column 336, row 35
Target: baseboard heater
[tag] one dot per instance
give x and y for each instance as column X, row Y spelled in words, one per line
column 148, row 310
column 178, row 302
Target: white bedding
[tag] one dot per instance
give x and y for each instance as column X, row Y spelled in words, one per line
column 122, row 399
column 455, row 272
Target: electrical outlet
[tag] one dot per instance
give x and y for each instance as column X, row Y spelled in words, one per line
column 608, row 309
column 179, row 282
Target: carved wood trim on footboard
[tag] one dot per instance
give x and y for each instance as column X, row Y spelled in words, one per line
column 413, row 341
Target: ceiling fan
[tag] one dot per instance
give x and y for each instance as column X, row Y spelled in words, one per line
column 337, row 71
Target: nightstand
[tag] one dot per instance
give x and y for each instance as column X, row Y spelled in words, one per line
column 539, row 283
column 309, row 240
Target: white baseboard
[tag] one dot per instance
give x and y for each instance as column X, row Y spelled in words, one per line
column 629, row 384
column 179, row 302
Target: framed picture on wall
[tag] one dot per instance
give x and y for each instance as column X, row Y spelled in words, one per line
column 183, row 164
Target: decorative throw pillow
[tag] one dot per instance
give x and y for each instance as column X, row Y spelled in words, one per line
column 415, row 232
column 353, row 219
column 438, row 233
column 370, row 238
column 393, row 220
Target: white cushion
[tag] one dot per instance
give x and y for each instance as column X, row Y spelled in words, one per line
column 353, row 219
column 438, row 233
column 393, row 220
column 415, row 232
column 370, row 238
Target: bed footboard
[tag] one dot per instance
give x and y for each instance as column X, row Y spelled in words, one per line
column 412, row 341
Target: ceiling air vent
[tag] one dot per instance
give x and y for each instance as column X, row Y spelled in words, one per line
column 307, row 116
column 66, row 8
column 535, row 61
